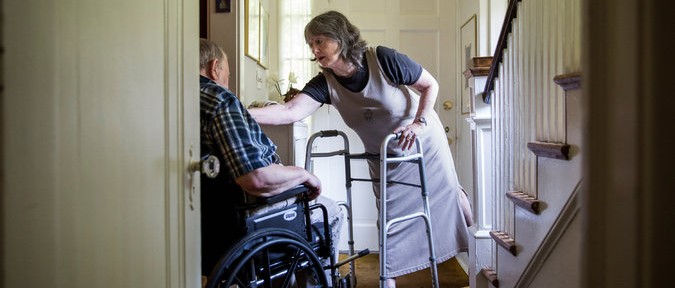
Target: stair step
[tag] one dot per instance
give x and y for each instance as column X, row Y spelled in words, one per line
column 525, row 201
column 504, row 240
column 491, row 275
column 570, row 81
column 550, row 150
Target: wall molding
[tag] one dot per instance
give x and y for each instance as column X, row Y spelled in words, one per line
column 558, row 229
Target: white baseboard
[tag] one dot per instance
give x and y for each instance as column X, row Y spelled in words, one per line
column 365, row 236
column 463, row 260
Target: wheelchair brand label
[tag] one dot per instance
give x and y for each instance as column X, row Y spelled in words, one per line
column 289, row 218
column 290, row 215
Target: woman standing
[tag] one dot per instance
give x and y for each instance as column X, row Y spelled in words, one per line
column 370, row 87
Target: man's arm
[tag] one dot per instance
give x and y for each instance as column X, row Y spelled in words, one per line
column 275, row 178
column 247, row 152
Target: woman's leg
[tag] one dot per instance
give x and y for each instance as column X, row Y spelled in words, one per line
column 466, row 207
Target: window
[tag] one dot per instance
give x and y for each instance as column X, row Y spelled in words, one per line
column 294, row 54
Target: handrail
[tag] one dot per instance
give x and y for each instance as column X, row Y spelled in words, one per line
column 499, row 51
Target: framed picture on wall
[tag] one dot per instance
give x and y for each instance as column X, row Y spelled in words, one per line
column 252, row 28
column 223, row 6
column 264, row 34
column 468, row 40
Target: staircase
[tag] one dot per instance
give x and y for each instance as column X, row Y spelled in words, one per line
column 527, row 146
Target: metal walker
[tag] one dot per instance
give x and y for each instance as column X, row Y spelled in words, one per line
column 384, row 223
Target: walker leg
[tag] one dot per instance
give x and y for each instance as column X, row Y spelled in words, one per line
column 384, row 228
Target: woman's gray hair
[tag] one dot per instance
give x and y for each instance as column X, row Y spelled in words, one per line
column 336, row 26
column 209, row 51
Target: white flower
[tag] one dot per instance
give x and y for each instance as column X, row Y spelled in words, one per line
column 273, row 79
column 292, row 78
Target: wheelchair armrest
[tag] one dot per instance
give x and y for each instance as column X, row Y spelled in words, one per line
column 297, row 190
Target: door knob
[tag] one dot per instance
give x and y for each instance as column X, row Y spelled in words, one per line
column 447, row 105
column 209, row 165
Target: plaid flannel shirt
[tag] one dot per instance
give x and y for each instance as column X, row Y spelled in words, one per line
column 229, row 131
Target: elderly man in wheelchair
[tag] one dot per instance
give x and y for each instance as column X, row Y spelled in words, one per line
column 263, row 224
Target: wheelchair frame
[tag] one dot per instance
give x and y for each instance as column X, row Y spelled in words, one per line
column 270, row 256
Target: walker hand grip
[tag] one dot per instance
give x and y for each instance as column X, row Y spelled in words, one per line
column 328, row 133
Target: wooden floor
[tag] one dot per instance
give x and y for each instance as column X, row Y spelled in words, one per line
column 450, row 274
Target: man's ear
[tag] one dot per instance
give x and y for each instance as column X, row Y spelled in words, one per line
column 212, row 69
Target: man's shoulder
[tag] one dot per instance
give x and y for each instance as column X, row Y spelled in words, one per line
column 216, row 93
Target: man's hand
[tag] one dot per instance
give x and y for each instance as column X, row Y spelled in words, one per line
column 314, row 185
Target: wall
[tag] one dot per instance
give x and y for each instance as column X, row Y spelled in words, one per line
column 629, row 135
column 248, row 79
column 223, row 30
column 489, row 23
column 490, row 15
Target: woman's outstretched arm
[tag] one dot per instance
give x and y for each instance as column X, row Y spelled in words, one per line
column 297, row 109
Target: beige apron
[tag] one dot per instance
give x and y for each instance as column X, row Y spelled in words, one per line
column 374, row 113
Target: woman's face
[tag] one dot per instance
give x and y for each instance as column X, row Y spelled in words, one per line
column 325, row 50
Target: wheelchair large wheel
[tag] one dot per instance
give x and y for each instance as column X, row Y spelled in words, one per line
column 269, row 258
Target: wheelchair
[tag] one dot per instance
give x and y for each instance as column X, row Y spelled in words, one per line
column 282, row 248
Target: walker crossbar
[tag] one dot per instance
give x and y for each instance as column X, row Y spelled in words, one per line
column 328, row 154
column 406, row 218
column 377, row 180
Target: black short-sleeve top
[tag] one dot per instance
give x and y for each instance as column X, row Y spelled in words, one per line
column 398, row 67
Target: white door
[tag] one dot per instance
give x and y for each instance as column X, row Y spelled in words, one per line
column 425, row 31
column 99, row 121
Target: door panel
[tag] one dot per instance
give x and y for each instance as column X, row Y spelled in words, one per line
column 100, row 111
